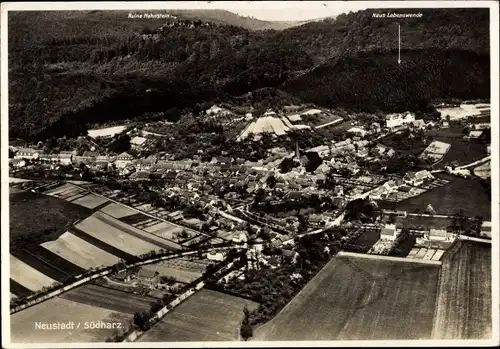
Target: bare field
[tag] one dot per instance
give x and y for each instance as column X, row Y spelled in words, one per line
column 185, row 276
column 58, row 310
column 355, row 298
column 205, row 316
column 449, row 199
column 109, row 298
column 463, row 308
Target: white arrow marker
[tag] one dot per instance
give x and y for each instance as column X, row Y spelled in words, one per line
column 399, row 44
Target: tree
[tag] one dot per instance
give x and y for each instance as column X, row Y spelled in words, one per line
column 271, row 181
column 140, row 319
column 392, row 218
column 430, row 210
column 246, row 330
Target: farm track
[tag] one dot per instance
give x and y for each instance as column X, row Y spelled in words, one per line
column 108, row 298
column 102, row 245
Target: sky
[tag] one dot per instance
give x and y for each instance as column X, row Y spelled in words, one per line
column 264, row 10
column 293, row 10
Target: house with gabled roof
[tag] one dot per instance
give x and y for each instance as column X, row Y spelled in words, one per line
column 123, row 160
column 27, row 153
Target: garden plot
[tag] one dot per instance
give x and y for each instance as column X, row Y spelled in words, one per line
column 200, row 238
column 463, row 111
column 90, row 201
column 80, row 252
column 28, row 276
column 144, row 207
column 115, row 237
column 118, row 211
column 187, row 265
column 147, row 223
column 181, row 275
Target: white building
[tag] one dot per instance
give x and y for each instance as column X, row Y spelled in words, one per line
column 389, row 232
column 27, row 153
column 123, row 160
column 138, row 142
column 396, row 120
column 217, row 256
column 213, row 110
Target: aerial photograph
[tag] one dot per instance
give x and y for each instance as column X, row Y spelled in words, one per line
column 248, row 175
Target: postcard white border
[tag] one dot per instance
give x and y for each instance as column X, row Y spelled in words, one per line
column 234, row 5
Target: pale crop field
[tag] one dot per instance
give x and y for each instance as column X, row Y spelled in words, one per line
column 90, row 201
column 157, row 241
column 28, row 276
column 106, row 132
column 165, row 230
column 80, row 252
column 115, row 237
column 58, row 310
column 118, row 211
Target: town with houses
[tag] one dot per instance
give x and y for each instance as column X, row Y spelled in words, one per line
column 159, row 230
column 204, row 176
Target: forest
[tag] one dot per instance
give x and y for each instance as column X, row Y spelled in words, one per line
column 69, row 70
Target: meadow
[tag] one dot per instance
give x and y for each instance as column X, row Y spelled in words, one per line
column 354, row 298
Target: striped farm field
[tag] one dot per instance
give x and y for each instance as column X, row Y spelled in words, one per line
column 118, row 211
column 98, row 229
column 53, row 259
column 154, row 239
column 90, row 201
column 41, row 266
column 79, row 252
column 59, row 310
column 27, row 276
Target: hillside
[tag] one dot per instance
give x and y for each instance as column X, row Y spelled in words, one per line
column 228, row 18
column 72, row 68
column 373, row 81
